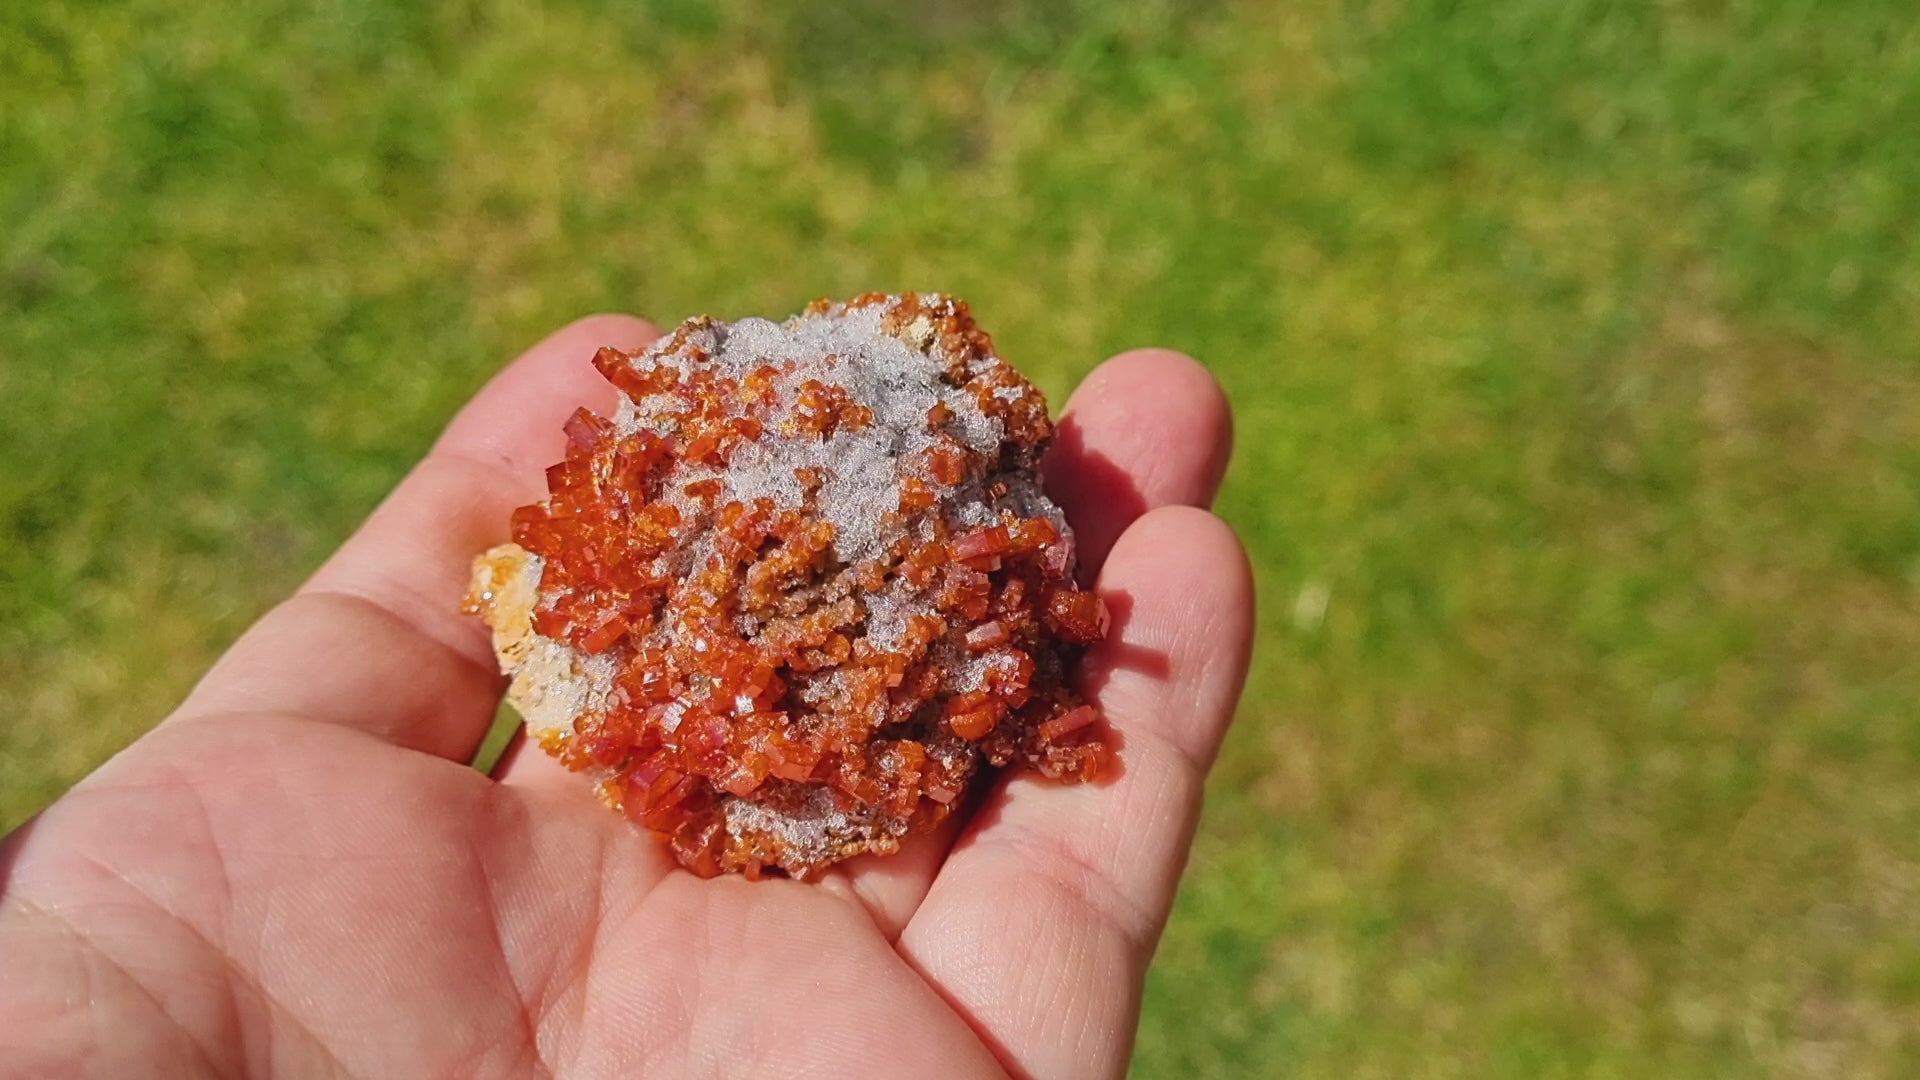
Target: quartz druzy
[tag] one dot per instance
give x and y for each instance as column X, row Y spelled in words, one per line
column 803, row 587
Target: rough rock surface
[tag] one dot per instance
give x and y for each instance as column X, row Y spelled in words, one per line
column 802, row 589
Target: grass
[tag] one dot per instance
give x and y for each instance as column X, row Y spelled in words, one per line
column 1572, row 345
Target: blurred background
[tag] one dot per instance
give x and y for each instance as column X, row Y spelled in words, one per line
column 1573, row 345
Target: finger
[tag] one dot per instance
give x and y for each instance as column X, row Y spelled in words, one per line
column 1041, row 923
column 413, row 555
column 890, row 887
column 376, row 639
column 1147, row 428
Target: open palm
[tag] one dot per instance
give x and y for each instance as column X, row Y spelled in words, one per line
column 296, row 873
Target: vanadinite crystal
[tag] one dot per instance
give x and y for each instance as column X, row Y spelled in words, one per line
column 798, row 594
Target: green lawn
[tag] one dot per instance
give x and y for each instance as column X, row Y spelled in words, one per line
column 1572, row 344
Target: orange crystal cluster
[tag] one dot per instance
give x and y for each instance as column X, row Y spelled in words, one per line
column 801, row 586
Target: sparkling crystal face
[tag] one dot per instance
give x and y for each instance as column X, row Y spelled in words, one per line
column 803, row 588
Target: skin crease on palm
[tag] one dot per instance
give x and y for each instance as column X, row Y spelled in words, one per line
column 296, row 874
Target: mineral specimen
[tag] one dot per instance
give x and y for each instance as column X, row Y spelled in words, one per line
column 802, row 590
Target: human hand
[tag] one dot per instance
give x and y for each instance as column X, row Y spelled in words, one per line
column 296, row 873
